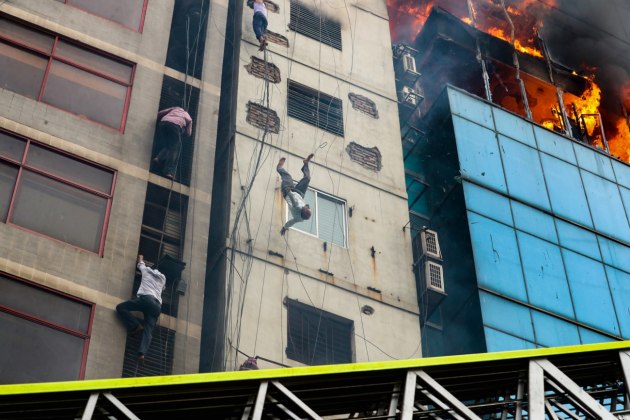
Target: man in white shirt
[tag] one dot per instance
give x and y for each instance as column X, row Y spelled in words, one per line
column 148, row 300
column 294, row 193
column 260, row 21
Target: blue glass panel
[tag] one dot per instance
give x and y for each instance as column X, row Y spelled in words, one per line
column 478, row 154
column 591, row 295
column 484, row 201
column 470, row 108
column 622, row 172
column 553, row 332
column 544, row 275
column 606, row 206
column 578, row 239
column 615, row 254
column 565, row 190
column 533, row 221
column 506, row 316
column 625, row 197
column 555, row 145
column 498, row 341
column 496, row 257
column 523, row 172
column 514, row 127
column 620, row 287
column 590, row 337
column 592, row 161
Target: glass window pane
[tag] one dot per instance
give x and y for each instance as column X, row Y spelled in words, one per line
column 544, row 274
column 593, row 161
column 565, row 190
column 125, row 12
column 96, row 62
column 514, row 127
column 31, row 352
column 330, row 220
column 496, row 257
column 43, row 304
column 506, row 316
column 309, row 225
column 68, row 168
column 523, row 172
column 578, row 239
column 26, row 35
column 555, row 145
column 59, row 211
column 92, row 96
column 469, row 108
column 591, row 295
column 622, row 173
column 591, row 337
column 499, row 341
column 8, row 174
column 554, row 332
column 478, row 153
column 625, row 197
column 22, row 72
column 487, row 203
column 533, row 221
column 11, row 147
column 606, row 206
column 615, row 254
column 620, row 288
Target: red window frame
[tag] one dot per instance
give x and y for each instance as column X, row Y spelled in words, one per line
column 50, row 56
column 86, row 336
column 142, row 16
column 22, row 166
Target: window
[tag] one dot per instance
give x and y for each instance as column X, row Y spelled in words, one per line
column 55, row 194
column 44, row 335
column 328, row 221
column 45, row 67
column 317, row 337
column 129, row 13
column 315, row 108
column 159, row 358
column 314, row 25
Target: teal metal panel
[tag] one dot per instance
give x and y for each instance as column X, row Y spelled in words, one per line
column 470, row 108
column 594, row 162
column 553, row 332
column 533, row 221
column 514, row 127
column 620, row 289
column 577, row 239
column 606, row 206
column 500, row 341
column 507, row 316
column 484, row 201
column 555, row 145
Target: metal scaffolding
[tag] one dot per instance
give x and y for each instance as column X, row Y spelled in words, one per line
column 577, row 382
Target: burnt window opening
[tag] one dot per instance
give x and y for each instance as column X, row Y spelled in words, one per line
column 368, row 157
column 263, row 117
column 162, row 233
column 277, row 38
column 313, row 25
column 263, row 70
column 157, row 361
column 315, row 108
column 363, row 104
column 187, row 39
column 176, row 93
column 317, row 337
column 271, row 6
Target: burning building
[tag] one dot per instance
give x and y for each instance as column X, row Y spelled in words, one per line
column 517, row 179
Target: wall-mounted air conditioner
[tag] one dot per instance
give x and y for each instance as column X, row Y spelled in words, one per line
column 430, row 243
column 409, row 63
column 434, row 276
column 408, row 96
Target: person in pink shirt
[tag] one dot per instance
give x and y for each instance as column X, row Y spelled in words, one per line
column 172, row 123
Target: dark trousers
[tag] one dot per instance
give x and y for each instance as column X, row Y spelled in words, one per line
column 260, row 25
column 289, row 184
column 151, row 309
column 170, row 136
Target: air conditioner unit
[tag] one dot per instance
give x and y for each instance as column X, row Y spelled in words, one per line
column 430, row 243
column 408, row 96
column 434, row 276
column 409, row 63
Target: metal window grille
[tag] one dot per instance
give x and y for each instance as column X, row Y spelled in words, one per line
column 430, row 243
column 314, row 25
column 315, row 108
column 317, row 337
column 159, row 358
column 434, row 276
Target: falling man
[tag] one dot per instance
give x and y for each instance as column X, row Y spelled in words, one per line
column 294, row 193
column 148, row 300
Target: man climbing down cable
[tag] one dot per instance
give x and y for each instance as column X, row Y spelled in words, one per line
column 148, row 300
column 260, row 21
column 294, row 193
column 173, row 122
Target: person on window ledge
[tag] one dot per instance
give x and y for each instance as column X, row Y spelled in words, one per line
column 148, row 300
column 294, row 193
column 173, row 122
column 260, row 21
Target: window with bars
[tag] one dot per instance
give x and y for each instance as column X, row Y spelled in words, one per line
column 45, row 66
column 315, row 108
column 44, row 334
column 129, row 13
column 52, row 193
column 314, row 25
column 328, row 219
column 317, row 337
column 159, row 358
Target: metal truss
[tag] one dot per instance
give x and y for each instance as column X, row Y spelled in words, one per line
column 574, row 384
